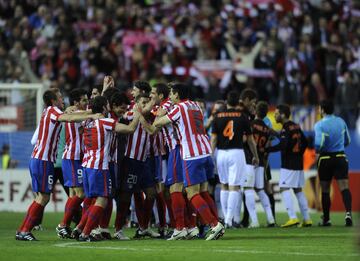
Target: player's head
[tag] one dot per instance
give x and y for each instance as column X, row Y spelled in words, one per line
column 159, row 92
column 53, row 97
column 99, row 105
column 96, row 91
column 261, row 109
column 249, row 97
column 282, row 113
column 326, row 107
column 108, row 93
column 232, row 99
column 142, row 100
column 79, row 98
column 218, row 106
column 140, row 87
column 119, row 103
column 178, row 92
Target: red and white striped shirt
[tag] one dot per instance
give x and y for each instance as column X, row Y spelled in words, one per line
column 138, row 144
column 190, row 121
column 73, row 149
column 49, row 132
column 169, row 131
column 97, row 138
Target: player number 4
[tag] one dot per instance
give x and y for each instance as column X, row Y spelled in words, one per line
column 229, row 130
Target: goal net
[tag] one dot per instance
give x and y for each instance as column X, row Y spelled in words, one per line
column 20, row 110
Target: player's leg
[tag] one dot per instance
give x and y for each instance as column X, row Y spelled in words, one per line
column 204, row 187
column 222, row 168
column 265, row 202
column 248, row 183
column 286, row 184
column 42, row 183
column 325, row 170
column 269, row 189
column 342, row 179
column 303, row 205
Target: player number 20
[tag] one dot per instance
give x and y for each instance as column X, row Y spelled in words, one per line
column 229, row 130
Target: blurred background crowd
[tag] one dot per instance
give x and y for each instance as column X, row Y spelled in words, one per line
column 297, row 52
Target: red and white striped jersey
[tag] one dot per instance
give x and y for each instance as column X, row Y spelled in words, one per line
column 73, row 149
column 138, row 144
column 49, row 132
column 190, row 121
column 169, row 131
column 97, row 138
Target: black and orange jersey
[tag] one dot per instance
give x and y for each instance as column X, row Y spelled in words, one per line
column 261, row 134
column 247, row 151
column 292, row 146
column 230, row 126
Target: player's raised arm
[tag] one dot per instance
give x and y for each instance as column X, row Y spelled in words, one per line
column 162, row 121
column 128, row 129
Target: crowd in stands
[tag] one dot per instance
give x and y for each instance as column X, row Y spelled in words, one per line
column 310, row 47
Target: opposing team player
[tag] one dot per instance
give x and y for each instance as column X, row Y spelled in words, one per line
column 42, row 158
column 195, row 152
column 292, row 146
column 227, row 136
column 71, row 163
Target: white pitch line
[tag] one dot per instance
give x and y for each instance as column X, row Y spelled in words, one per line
column 224, row 250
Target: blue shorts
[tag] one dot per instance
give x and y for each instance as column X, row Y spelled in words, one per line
column 97, row 183
column 72, row 173
column 148, row 178
column 195, row 171
column 210, row 168
column 42, row 174
column 113, row 174
column 158, row 169
column 131, row 174
column 175, row 167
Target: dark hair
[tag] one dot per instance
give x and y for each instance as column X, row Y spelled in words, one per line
column 262, row 109
column 284, row 109
column 75, row 95
column 327, row 106
column 181, row 89
column 143, row 86
column 118, row 99
column 142, row 95
column 233, row 98
column 108, row 93
column 98, row 104
column 162, row 88
column 98, row 87
column 249, row 94
column 49, row 96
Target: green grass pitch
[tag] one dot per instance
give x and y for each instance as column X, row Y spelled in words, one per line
column 314, row 243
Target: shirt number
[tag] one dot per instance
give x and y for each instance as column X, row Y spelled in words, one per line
column 297, row 138
column 229, row 130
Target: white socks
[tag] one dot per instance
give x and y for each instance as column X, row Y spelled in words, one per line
column 250, row 204
column 303, row 205
column 265, row 202
column 237, row 213
column 224, row 194
column 286, row 195
column 231, row 206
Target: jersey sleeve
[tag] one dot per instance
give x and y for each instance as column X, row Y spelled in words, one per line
column 174, row 114
column 108, row 124
column 55, row 113
column 319, row 137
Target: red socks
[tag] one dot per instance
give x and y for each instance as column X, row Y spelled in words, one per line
column 203, row 209
column 121, row 215
column 34, row 213
column 148, row 207
column 178, row 207
column 94, row 215
column 86, row 206
column 72, row 205
column 139, row 208
column 190, row 215
column 161, row 206
column 209, row 200
column 170, row 212
column 105, row 219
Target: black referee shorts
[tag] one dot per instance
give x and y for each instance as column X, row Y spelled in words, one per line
column 333, row 165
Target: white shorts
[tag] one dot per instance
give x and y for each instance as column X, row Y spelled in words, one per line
column 230, row 165
column 248, row 177
column 259, row 177
column 291, row 178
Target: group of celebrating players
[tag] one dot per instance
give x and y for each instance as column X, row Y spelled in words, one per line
column 155, row 148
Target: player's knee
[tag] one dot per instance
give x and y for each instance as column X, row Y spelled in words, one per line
column 43, row 199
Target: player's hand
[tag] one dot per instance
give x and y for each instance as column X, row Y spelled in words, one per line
column 70, row 109
column 255, row 161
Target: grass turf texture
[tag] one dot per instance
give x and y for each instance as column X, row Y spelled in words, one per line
column 314, row 243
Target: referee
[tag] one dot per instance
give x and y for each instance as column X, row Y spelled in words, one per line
column 331, row 138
